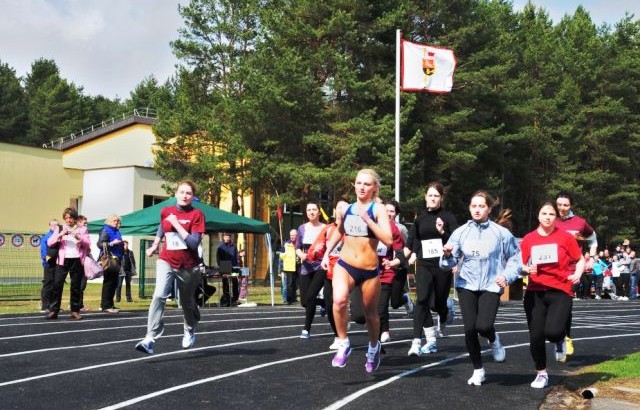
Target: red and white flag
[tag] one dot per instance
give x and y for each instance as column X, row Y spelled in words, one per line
column 427, row 68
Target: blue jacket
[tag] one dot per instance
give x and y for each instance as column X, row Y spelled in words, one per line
column 600, row 267
column 43, row 248
column 485, row 250
column 109, row 234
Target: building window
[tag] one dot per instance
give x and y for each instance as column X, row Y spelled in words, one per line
column 150, row 200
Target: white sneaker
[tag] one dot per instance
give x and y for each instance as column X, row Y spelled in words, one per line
column 189, row 339
column 561, row 351
column 477, row 378
column 499, row 353
column 305, row 334
column 541, row 381
column 385, row 337
column 336, row 344
column 415, row 348
column 409, row 305
column 598, row 297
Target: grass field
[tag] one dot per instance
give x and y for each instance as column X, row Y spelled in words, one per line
column 24, row 301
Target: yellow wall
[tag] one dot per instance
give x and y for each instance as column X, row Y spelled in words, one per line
column 35, row 187
column 125, row 147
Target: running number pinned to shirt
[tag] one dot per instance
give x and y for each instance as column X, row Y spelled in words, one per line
column 175, row 241
column 431, row 248
column 355, row 226
column 476, row 249
column 544, row 254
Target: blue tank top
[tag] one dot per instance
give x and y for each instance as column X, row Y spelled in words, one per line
column 354, row 225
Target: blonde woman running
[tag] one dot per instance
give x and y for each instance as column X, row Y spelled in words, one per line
column 363, row 224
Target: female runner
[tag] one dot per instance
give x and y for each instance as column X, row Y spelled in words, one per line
column 490, row 260
column 363, row 224
column 554, row 262
column 430, row 231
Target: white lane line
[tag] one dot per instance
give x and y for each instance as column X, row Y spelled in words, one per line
column 348, row 399
column 147, row 357
column 144, row 325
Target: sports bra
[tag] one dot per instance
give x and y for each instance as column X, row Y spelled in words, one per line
column 354, row 225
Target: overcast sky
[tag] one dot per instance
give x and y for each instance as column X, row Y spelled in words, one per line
column 110, row 46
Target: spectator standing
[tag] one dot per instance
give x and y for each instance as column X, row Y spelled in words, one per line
column 228, row 251
column 48, row 255
column 127, row 272
column 82, row 221
column 73, row 246
column 111, row 237
column 290, row 267
column 634, row 273
column 600, row 266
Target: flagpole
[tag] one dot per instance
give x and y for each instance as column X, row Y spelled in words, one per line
column 397, row 159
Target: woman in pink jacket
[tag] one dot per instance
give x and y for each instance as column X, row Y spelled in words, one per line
column 73, row 245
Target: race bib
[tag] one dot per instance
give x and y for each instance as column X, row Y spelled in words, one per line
column 355, row 226
column 476, row 249
column 544, row 254
column 431, row 248
column 175, row 241
column 382, row 249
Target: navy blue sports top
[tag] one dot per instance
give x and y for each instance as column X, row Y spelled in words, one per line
column 354, row 225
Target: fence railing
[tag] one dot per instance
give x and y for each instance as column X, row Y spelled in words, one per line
column 137, row 112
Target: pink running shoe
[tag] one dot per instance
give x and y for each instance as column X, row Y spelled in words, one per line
column 340, row 358
column 373, row 360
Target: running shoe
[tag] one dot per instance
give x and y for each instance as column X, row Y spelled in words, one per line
column 499, row 353
column 145, row 346
column 429, row 347
column 598, row 297
column 561, row 351
column 335, row 344
column 305, row 334
column 340, row 358
column 385, row 337
column 570, row 348
column 477, row 378
column 415, row 348
column 373, row 359
column 541, row 381
column 189, row 339
column 85, row 309
column 409, row 305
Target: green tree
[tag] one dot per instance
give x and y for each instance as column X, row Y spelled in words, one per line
column 12, row 106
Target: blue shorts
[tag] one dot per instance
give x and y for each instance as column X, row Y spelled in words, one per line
column 358, row 275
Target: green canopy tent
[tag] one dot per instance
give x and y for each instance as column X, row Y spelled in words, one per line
column 145, row 222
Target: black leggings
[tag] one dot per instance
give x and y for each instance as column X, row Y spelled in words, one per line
column 391, row 292
column 432, row 290
column 479, row 309
column 310, row 285
column 547, row 314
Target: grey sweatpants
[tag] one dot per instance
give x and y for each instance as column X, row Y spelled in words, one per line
column 188, row 282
